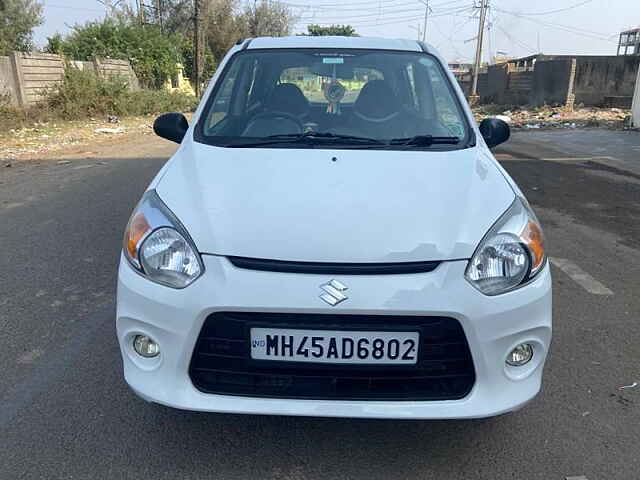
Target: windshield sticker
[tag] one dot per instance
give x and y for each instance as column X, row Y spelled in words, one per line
column 332, row 60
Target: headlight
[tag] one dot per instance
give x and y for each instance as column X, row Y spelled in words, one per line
column 158, row 246
column 510, row 254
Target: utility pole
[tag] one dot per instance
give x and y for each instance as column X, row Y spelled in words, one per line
column 635, row 107
column 476, row 68
column 197, row 47
column 141, row 14
column 426, row 18
column 159, row 14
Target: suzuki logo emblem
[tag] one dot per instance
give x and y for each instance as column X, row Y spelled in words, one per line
column 333, row 292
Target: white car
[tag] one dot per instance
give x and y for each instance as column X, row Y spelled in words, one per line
column 333, row 237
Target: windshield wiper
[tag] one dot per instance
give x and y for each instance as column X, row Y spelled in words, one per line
column 351, row 140
column 308, row 138
column 424, row 141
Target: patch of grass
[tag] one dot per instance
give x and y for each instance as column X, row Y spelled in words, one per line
column 83, row 95
column 146, row 102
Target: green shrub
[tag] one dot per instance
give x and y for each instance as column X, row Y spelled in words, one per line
column 146, row 102
column 82, row 94
column 153, row 54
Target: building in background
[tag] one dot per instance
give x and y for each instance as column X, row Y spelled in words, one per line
column 462, row 71
column 179, row 82
column 629, row 43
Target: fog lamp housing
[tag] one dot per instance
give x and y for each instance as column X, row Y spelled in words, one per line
column 145, row 346
column 520, row 355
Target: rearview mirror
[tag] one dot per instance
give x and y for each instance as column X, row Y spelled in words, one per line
column 494, row 131
column 172, row 126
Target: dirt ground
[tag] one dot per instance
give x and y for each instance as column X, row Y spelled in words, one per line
column 550, row 117
column 99, row 137
column 74, row 139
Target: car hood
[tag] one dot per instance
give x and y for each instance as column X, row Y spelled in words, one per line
column 335, row 205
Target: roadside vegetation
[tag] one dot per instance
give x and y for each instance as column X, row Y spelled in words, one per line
column 18, row 18
column 155, row 42
column 152, row 54
column 84, row 95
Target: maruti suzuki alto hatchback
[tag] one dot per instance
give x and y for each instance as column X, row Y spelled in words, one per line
column 333, row 237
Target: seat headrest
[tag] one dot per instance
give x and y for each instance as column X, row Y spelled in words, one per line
column 288, row 98
column 376, row 101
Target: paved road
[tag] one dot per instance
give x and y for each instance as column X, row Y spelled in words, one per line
column 66, row 413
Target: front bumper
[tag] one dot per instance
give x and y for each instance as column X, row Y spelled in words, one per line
column 493, row 326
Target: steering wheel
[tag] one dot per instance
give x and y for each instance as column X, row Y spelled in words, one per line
column 269, row 117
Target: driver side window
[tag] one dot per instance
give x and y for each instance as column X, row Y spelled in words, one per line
column 232, row 98
column 222, row 103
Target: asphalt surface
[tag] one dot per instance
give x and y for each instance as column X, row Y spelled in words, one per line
column 65, row 411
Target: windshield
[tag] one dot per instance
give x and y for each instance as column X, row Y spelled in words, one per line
column 309, row 98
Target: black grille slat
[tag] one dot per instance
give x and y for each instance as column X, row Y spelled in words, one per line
column 324, row 268
column 346, row 377
column 221, row 361
column 217, row 362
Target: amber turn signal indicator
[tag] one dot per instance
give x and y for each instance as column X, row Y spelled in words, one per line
column 137, row 229
column 534, row 239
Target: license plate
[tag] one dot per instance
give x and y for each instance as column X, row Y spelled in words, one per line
column 334, row 346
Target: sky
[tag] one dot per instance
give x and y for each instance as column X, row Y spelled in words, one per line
column 514, row 27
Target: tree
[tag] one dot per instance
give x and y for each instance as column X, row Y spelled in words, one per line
column 224, row 22
column 223, row 26
column 54, row 44
column 177, row 16
column 18, row 18
column 333, row 30
column 152, row 54
column 268, row 18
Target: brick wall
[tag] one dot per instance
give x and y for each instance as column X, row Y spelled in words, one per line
column 602, row 80
column 598, row 81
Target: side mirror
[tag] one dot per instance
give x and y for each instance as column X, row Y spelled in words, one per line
column 494, row 131
column 172, row 126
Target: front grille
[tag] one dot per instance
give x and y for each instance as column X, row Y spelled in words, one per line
column 323, row 268
column 221, row 362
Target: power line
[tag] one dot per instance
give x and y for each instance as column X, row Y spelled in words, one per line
column 348, row 8
column 376, row 14
column 515, row 40
column 454, row 29
column 66, row 7
column 449, row 3
column 388, row 10
column 365, row 17
column 555, row 11
column 373, row 23
column 377, row 22
column 558, row 26
column 380, row 4
column 334, row 5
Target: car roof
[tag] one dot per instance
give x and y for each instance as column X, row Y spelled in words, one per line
column 303, row 41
